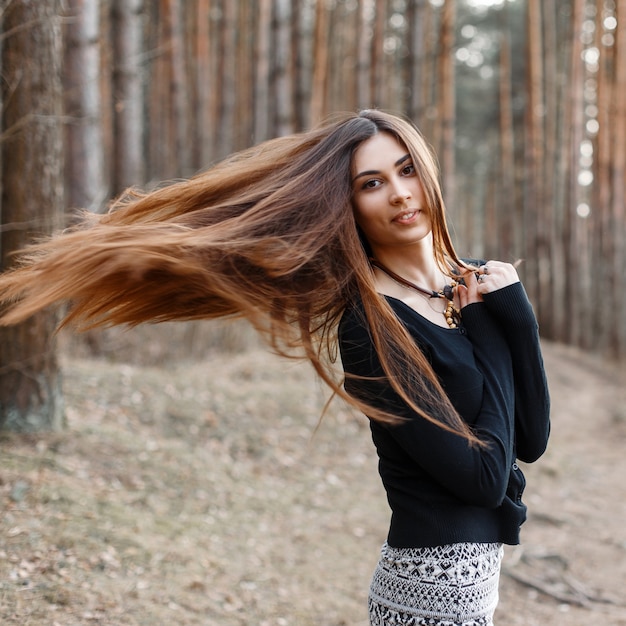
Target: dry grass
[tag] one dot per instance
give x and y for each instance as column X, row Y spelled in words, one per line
column 200, row 494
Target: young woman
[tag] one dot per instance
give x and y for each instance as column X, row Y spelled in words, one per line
column 337, row 238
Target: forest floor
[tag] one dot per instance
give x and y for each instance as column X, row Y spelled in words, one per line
column 202, row 494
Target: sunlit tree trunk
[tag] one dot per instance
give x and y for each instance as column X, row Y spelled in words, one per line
column 319, row 96
column 576, row 289
column 377, row 58
column 534, row 139
column 416, row 59
column 618, row 187
column 32, row 202
column 363, row 68
column 160, row 137
column 262, row 83
column 549, row 242
column 244, row 101
column 298, row 67
column 85, row 184
column 447, row 100
column 128, row 163
column 506, row 165
column 600, row 218
column 283, row 72
column 179, row 109
column 229, row 42
column 203, row 76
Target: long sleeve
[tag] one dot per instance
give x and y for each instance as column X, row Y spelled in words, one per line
column 511, row 307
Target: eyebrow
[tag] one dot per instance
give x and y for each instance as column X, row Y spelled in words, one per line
column 399, row 162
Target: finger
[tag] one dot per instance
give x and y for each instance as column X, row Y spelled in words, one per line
column 469, row 293
column 463, row 295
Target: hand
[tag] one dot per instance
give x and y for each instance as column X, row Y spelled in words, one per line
column 495, row 275
column 468, row 290
column 489, row 277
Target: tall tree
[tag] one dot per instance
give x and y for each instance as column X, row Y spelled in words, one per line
column 283, row 63
column 319, row 97
column 262, row 80
column 85, row 181
column 618, row 186
column 32, row 202
column 447, row 99
column 363, row 66
column 416, row 57
column 129, row 119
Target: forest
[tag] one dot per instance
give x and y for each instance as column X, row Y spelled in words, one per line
column 523, row 101
column 182, row 473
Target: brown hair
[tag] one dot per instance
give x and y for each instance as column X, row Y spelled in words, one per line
column 267, row 234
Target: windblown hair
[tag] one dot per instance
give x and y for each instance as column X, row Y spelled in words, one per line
column 268, row 234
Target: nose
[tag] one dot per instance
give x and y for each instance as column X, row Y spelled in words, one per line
column 400, row 191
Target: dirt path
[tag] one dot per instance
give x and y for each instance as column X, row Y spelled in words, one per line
column 200, row 496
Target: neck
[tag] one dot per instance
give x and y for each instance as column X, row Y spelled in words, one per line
column 416, row 264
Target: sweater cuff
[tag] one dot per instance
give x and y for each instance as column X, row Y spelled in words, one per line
column 512, row 305
column 476, row 320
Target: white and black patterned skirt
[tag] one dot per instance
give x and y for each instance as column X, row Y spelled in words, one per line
column 451, row 585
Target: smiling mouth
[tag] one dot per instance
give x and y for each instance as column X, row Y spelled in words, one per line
column 407, row 216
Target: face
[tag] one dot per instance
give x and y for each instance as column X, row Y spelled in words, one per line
column 388, row 199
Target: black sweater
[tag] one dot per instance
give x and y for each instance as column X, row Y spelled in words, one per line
column 440, row 489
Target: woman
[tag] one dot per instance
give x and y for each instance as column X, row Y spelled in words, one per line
column 337, row 237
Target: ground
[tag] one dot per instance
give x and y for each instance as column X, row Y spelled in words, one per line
column 206, row 494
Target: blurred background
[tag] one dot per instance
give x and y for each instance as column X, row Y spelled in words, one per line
column 180, row 473
column 524, row 102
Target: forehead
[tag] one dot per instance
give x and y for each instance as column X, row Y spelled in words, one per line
column 378, row 152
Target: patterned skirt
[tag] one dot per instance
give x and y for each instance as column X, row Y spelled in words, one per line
column 450, row 585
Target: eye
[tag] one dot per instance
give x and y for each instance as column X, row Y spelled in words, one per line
column 408, row 169
column 371, row 184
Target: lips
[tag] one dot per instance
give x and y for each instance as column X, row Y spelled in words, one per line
column 407, row 217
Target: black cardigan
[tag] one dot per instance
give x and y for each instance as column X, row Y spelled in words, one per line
column 440, row 489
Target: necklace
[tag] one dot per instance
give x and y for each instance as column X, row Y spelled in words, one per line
column 451, row 313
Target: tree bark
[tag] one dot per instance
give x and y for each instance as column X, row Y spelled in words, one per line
column 618, row 187
column 283, row 72
column 416, row 59
column 363, row 67
column 85, row 176
column 319, row 95
column 229, row 41
column 180, row 109
column 447, row 100
column 32, row 201
column 262, row 82
column 576, row 288
column 128, row 166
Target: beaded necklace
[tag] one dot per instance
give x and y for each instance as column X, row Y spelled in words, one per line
column 451, row 313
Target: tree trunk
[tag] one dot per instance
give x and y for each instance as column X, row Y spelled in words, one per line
column 320, row 63
column 576, row 283
column 128, row 126
column 85, row 179
column 377, row 56
column 363, row 67
column 447, row 100
column 262, row 82
column 179, row 90
column 229, row 41
column 32, row 200
column 283, row 72
column 534, row 149
column 506, row 166
column 416, row 59
column 618, row 188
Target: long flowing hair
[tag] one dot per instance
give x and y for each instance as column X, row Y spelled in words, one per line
column 268, row 234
